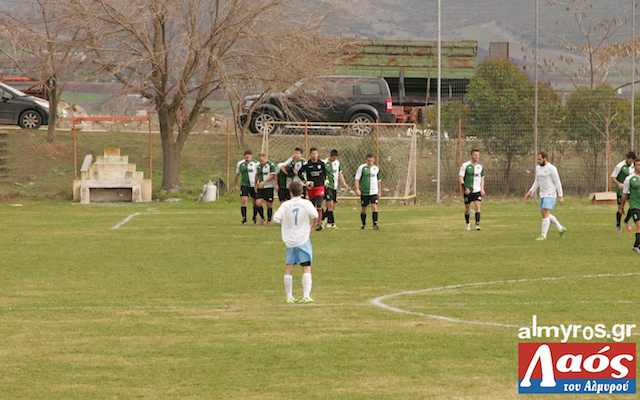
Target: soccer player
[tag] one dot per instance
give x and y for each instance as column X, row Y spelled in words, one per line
column 335, row 175
column 294, row 217
column 265, row 183
column 295, row 162
column 619, row 174
column 368, row 182
column 315, row 173
column 246, row 172
column 471, row 177
column 631, row 193
column 282, row 184
column 548, row 181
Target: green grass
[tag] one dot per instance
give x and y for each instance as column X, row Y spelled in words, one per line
column 184, row 302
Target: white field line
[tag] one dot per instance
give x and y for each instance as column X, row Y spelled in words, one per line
column 379, row 301
column 153, row 212
column 129, row 218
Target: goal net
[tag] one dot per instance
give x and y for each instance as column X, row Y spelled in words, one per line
column 393, row 145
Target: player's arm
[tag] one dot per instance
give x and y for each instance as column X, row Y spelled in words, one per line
column 256, row 182
column 235, row 183
column 343, row 181
column 558, row 183
column 357, row 180
column 533, row 188
column 614, row 176
column 482, row 192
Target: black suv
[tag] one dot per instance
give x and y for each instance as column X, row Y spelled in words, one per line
column 17, row 108
column 355, row 99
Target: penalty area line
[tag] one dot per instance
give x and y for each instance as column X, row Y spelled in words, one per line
column 379, row 301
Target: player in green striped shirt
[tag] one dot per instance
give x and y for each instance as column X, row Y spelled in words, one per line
column 619, row 174
column 471, row 178
column 245, row 172
column 368, row 184
column 265, row 184
column 335, row 177
column 631, row 192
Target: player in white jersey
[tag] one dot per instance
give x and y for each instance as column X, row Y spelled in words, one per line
column 294, row 217
column 548, row 182
column 471, row 177
column 335, row 177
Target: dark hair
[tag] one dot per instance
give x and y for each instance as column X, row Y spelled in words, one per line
column 637, row 160
column 298, row 149
column 311, row 150
column 247, row 152
column 631, row 154
column 544, row 154
column 474, row 150
column 369, row 155
column 295, row 188
column 334, row 153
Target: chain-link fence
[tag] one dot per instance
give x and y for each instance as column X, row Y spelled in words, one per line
column 585, row 115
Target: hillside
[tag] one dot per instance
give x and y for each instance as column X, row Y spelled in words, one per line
column 483, row 21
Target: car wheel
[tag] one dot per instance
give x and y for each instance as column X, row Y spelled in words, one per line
column 260, row 120
column 30, row 120
column 361, row 118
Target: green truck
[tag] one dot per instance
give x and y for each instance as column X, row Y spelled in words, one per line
column 411, row 69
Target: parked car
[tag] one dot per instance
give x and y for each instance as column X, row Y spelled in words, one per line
column 354, row 99
column 18, row 108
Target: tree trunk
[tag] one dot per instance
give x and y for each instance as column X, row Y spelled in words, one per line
column 170, row 153
column 171, row 165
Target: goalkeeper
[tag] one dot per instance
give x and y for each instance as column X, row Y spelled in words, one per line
column 314, row 172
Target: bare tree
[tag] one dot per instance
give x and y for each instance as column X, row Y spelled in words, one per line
column 178, row 52
column 588, row 45
column 40, row 43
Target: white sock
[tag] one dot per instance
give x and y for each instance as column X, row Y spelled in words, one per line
column 288, row 286
column 306, row 285
column 545, row 226
column 555, row 223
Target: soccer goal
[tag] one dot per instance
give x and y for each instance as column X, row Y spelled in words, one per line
column 393, row 145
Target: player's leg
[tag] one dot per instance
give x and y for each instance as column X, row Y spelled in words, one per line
column 305, row 256
column 467, row 211
column 374, row 213
column 477, row 205
column 255, row 207
column 619, row 216
column 331, row 205
column 269, row 211
column 244, row 199
column 635, row 214
column 627, row 218
column 291, row 261
column 545, row 223
column 363, row 215
column 259, row 201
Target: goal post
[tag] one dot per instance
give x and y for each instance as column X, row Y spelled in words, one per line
column 394, row 145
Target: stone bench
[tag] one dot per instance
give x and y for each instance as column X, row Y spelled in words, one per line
column 110, row 178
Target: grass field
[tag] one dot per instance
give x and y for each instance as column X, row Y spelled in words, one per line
column 181, row 301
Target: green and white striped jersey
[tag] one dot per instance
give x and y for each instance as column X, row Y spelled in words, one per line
column 368, row 177
column 297, row 165
column 334, row 169
column 283, row 179
column 472, row 175
column 620, row 172
column 247, row 172
column 632, row 188
column 264, row 171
